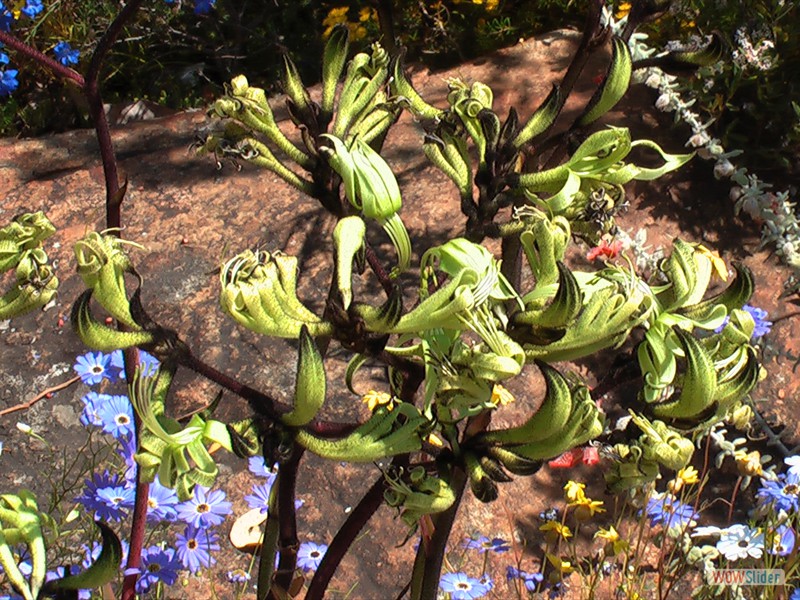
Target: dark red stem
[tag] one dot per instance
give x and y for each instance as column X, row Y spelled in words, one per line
column 288, row 542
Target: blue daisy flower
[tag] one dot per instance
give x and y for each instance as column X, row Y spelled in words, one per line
column 309, row 555
column 460, row 586
column 117, row 416
column 161, row 503
column 93, row 367
column 194, row 548
column 204, row 509
column 107, row 497
column 158, row 565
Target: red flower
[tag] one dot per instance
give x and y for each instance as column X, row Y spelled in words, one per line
column 572, row 458
column 606, row 250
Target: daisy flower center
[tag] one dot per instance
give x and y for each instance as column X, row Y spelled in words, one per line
column 192, row 544
column 790, row 489
column 122, row 420
column 153, row 568
column 463, row 585
column 203, row 508
column 97, row 369
column 315, row 554
column 743, row 543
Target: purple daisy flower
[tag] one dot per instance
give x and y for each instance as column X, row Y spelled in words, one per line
column 195, row 546
column 204, row 509
column 238, row 576
column 783, row 494
column 92, row 403
column 669, row 512
column 148, row 364
column 107, row 497
column 260, row 497
column 258, row 467
column 531, row 580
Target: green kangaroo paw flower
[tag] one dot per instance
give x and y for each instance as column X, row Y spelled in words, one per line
column 102, row 571
column 384, row 318
column 297, row 92
column 564, row 308
column 310, row 383
column 549, row 419
column 735, row 388
column 100, row 337
column 334, row 58
column 698, row 385
column 542, row 118
column 614, row 84
column 402, row 88
column 480, row 483
column 516, row 464
column 397, row 232
column 348, row 240
column 736, row 295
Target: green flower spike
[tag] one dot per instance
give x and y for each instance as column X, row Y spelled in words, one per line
column 333, row 62
column 35, row 285
column 102, row 264
column 258, row 291
column 25, row 232
column 371, row 187
column 102, row 571
column 467, row 103
column 662, row 444
column 248, row 105
column 166, row 447
column 348, row 241
column 20, row 524
column 421, row 495
column 386, row 433
column 98, row 336
column 362, row 91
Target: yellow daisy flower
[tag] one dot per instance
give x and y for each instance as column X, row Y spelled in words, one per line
column 614, row 545
column 574, row 491
column 375, row 399
column 554, row 531
column 686, row 476
column 501, row 396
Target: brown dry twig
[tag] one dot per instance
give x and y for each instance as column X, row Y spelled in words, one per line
column 45, row 394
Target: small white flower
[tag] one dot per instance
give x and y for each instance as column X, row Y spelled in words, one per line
column 794, row 465
column 723, row 168
column 700, row 138
column 653, row 80
column 740, row 541
column 664, row 103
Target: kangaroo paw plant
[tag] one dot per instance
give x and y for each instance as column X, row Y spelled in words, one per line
column 457, row 327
